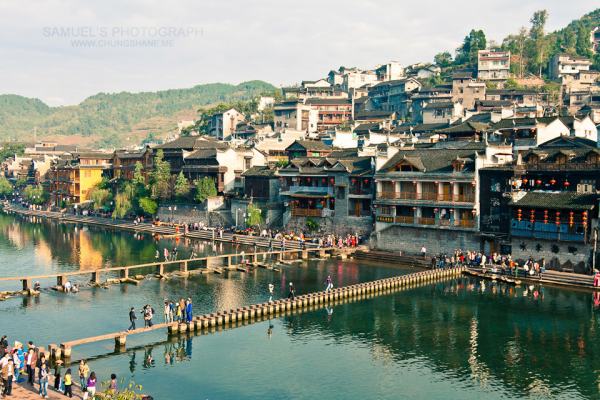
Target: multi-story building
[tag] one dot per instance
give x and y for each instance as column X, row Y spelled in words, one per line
column 430, row 197
column 466, row 90
column 124, row 163
column 223, row 125
column 390, row 71
column 73, row 176
column 493, row 65
column 394, row 95
column 295, row 115
column 427, row 96
column 565, row 64
column 335, row 191
column 331, row 112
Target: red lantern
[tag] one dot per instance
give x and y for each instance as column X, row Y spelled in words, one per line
column 538, row 182
column 332, row 180
column 525, row 180
column 519, row 214
column 571, row 218
column 308, row 179
column 324, row 180
column 552, row 181
column 366, row 181
column 558, row 218
column 567, row 184
column 545, row 216
column 532, row 216
column 584, row 217
column 353, row 181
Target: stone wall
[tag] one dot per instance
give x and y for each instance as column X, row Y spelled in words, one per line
column 409, row 240
column 558, row 255
column 348, row 226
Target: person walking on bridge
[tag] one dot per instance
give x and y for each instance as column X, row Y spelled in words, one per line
column 132, row 318
column 329, row 284
column 188, row 310
column 292, row 294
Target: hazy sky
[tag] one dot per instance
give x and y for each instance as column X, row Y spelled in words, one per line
column 65, row 50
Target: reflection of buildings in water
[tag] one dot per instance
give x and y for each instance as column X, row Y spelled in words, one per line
column 87, row 256
column 479, row 372
column 42, row 253
column 17, row 236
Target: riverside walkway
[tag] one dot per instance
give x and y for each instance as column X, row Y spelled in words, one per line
column 185, row 266
column 209, row 234
column 257, row 312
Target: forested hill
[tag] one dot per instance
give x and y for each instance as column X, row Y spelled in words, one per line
column 108, row 119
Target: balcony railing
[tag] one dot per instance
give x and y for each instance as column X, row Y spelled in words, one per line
column 404, row 219
column 454, row 198
column 307, row 212
column 360, row 190
column 427, row 221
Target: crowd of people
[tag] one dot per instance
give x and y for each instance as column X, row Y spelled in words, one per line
column 31, row 366
column 173, row 311
column 496, row 263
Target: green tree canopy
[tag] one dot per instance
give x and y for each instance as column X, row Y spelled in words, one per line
column 122, row 205
column 182, row 186
column 254, row 214
column 100, row 197
column 6, row 187
column 472, row 43
column 35, row 194
column 148, row 206
column 443, row 59
column 205, row 188
column 160, row 177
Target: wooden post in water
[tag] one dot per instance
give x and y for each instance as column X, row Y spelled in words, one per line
column 161, row 269
column 95, row 277
column 60, row 280
column 26, row 284
column 125, row 273
column 183, row 267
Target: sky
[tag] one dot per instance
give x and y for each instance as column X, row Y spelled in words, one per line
column 63, row 51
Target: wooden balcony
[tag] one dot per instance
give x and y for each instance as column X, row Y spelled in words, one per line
column 426, row 221
column 427, row 196
column 307, row 212
column 404, row 219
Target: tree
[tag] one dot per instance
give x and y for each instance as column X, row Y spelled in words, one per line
column 35, row 194
column 516, row 45
column 148, row 206
column 160, row 177
column 443, row 59
column 182, row 186
column 538, row 49
column 6, row 187
column 472, row 43
column 138, row 175
column 122, row 205
column 254, row 215
column 131, row 392
column 205, row 188
column 100, row 197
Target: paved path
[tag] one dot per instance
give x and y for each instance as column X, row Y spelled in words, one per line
column 24, row 391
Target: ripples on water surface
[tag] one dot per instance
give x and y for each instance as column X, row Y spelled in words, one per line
column 451, row 340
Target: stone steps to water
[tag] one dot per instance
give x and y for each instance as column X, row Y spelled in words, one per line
column 392, row 258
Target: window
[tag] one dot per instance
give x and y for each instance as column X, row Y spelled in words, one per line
column 247, row 163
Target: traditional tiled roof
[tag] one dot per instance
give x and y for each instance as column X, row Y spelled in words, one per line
column 467, row 126
column 433, row 160
column 313, row 145
column 439, row 105
column 419, row 128
column 373, row 115
column 557, row 200
column 260, row 171
column 192, row 142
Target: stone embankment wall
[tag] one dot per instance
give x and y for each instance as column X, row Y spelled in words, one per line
column 558, row 255
column 347, row 226
column 191, row 214
column 410, row 240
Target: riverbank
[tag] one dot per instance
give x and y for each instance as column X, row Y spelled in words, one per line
column 208, row 234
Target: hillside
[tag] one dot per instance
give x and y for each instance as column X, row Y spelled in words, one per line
column 116, row 119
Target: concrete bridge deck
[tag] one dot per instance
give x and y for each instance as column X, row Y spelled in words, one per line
column 257, row 312
column 202, row 263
